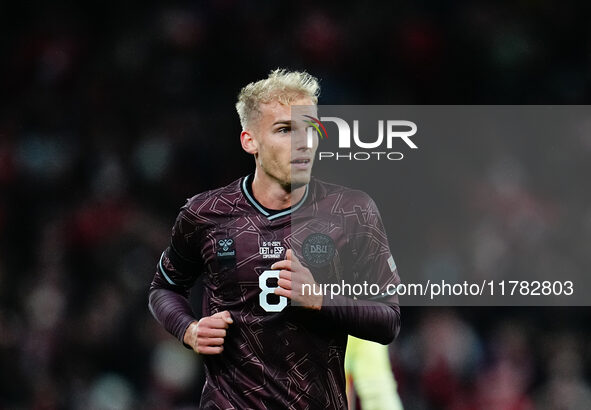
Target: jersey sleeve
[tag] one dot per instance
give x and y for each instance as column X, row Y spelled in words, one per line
column 370, row 316
column 176, row 272
column 374, row 262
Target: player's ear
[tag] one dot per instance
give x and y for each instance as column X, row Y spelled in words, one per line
column 249, row 144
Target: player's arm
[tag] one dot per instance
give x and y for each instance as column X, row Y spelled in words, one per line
column 377, row 320
column 176, row 273
column 370, row 317
column 370, row 320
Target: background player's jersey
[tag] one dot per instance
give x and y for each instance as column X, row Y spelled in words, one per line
column 277, row 355
column 369, row 376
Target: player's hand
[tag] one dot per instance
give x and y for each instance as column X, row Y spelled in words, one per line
column 291, row 278
column 207, row 335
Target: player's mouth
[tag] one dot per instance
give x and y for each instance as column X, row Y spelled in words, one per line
column 301, row 163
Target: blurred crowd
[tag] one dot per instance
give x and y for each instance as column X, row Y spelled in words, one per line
column 113, row 115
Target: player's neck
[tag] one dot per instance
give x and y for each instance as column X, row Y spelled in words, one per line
column 272, row 195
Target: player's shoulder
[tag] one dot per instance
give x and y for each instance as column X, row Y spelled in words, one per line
column 206, row 200
column 345, row 195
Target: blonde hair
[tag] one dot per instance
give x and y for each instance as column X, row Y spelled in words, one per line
column 281, row 85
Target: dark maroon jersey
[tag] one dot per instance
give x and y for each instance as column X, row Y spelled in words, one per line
column 276, row 355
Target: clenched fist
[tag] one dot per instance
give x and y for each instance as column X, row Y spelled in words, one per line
column 207, row 335
column 292, row 278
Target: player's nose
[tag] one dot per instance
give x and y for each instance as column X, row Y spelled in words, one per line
column 300, row 140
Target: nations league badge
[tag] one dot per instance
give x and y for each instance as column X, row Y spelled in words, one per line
column 318, row 249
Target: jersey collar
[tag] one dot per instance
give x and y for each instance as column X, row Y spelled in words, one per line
column 271, row 214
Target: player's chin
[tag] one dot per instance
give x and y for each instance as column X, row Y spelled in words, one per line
column 300, row 178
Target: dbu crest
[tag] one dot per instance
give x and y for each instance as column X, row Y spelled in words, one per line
column 318, row 250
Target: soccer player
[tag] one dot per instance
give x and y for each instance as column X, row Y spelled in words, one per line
column 259, row 242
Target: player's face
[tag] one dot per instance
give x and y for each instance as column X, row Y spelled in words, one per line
column 282, row 143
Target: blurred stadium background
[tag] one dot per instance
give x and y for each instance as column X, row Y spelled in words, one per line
column 112, row 115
